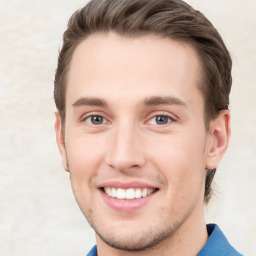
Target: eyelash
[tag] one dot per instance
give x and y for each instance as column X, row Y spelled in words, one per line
column 170, row 119
column 105, row 121
column 91, row 116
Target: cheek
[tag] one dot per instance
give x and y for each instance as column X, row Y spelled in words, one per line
column 181, row 160
column 84, row 154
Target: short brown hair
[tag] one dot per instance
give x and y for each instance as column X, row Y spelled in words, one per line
column 167, row 18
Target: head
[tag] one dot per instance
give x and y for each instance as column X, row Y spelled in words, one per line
column 171, row 19
column 121, row 22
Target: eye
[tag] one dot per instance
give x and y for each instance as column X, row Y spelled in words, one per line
column 160, row 120
column 95, row 120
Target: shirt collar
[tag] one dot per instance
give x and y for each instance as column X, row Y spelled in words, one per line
column 217, row 243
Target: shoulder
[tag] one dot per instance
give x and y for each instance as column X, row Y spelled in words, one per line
column 93, row 251
column 217, row 244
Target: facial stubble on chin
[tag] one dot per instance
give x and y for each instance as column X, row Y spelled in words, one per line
column 144, row 241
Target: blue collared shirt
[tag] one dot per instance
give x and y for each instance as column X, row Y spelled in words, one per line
column 217, row 244
column 93, row 251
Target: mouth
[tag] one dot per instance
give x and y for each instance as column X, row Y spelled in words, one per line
column 129, row 193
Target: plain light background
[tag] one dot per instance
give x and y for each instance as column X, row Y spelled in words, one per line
column 38, row 213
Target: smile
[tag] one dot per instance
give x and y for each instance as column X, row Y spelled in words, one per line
column 130, row 193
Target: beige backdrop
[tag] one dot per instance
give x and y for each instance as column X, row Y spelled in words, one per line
column 38, row 214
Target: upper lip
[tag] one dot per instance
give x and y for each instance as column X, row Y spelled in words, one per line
column 126, row 185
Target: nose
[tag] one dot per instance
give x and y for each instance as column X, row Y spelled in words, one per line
column 125, row 149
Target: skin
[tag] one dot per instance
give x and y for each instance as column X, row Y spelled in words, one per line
column 129, row 145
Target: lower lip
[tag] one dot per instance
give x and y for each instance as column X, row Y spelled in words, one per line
column 125, row 205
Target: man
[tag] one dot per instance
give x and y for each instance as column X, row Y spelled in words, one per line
column 142, row 91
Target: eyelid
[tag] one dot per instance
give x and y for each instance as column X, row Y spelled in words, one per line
column 96, row 113
column 90, row 122
column 153, row 121
column 162, row 113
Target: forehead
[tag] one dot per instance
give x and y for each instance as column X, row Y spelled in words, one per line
column 133, row 67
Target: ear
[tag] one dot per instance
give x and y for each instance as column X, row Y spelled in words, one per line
column 219, row 138
column 60, row 140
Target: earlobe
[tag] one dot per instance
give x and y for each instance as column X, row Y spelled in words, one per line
column 60, row 140
column 220, row 133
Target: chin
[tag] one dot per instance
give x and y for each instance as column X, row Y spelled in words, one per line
column 135, row 240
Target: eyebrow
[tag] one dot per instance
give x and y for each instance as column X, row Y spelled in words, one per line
column 151, row 101
column 169, row 100
column 90, row 102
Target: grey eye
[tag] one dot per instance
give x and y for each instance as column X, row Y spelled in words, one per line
column 160, row 120
column 95, row 120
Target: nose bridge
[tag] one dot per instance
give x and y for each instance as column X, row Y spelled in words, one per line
column 125, row 149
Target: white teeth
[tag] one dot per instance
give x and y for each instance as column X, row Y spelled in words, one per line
column 144, row 192
column 120, row 193
column 138, row 193
column 108, row 191
column 114, row 193
column 150, row 191
column 129, row 193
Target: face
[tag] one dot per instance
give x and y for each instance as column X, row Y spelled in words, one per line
column 135, row 140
